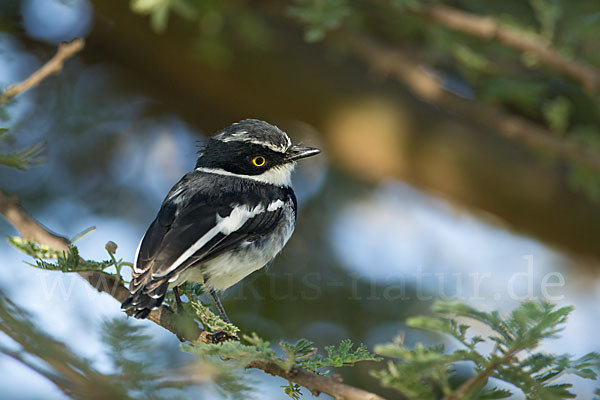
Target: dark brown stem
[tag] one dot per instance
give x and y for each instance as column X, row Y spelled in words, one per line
column 331, row 385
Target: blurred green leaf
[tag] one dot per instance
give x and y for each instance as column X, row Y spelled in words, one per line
column 159, row 11
column 319, row 16
column 523, row 94
column 557, row 113
column 427, row 372
column 548, row 13
column 26, row 343
column 470, row 59
column 23, row 159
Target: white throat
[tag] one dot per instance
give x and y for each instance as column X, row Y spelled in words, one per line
column 278, row 176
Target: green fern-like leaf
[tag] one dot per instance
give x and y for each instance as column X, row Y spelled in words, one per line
column 69, row 261
column 292, row 390
column 427, row 372
column 25, row 158
column 209, row 320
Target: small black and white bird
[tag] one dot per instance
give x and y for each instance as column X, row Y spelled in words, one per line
column 222, row 221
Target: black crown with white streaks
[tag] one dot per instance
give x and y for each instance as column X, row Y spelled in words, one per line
column 232, row 151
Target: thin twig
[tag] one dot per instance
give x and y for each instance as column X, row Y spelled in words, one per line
column 33, row 230
column 52, row 66
column 490, row 28
column 390, row 61
column 331, row 385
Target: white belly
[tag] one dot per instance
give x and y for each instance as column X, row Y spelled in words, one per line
column 227, row 269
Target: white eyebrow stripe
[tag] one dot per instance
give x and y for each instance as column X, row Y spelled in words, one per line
column 289, row 141
column 278, row 176
column 225, row 225
column 237, row 137
column 228, row 137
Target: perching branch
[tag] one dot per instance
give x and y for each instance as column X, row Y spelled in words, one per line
column 30, row 229
column 52, row 66
column 490, row 28
column 388, row 60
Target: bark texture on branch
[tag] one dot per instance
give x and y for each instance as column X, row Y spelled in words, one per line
column 331, row 385
column 489, row 28
column 31, row 229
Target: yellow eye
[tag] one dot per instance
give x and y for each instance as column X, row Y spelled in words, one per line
column 259, row 161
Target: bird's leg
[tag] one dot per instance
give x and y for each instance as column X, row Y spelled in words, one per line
column 222, row 312
column 178, row 300
column 220, row 336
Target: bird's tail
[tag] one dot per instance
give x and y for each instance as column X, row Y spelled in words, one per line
column 145, row 297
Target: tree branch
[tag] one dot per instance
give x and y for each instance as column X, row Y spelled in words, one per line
column 33, row 230
column 30, row 229
column 490, row 28
column 388, row 60
column 52, row 66
column 332, row 385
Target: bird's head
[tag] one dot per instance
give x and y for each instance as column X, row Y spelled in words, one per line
column 254, row 149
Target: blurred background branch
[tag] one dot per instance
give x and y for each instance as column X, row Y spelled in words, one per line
column 51, row 67
column 466, row 93
column 31, row 155
column 386, row 60
column 490, row 28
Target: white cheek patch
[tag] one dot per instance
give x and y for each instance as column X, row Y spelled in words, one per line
column 278, row 176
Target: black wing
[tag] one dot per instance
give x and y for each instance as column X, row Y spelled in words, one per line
column 186, row 232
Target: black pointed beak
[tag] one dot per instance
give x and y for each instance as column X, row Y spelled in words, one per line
column 297, row 152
